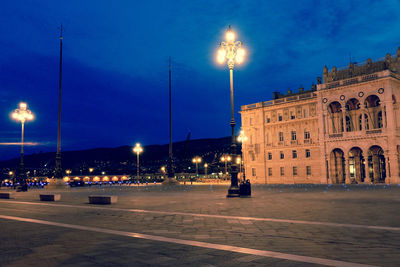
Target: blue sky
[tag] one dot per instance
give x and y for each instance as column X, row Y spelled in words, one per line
column 115, row 71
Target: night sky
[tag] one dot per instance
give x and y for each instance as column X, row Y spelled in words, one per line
column 115, row 63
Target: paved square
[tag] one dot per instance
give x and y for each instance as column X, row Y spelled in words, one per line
column 281, row 225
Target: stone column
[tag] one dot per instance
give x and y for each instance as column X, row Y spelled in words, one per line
column 347, row 169
column 387, row 168
column 344, row 121
column 363, row 119
column 326, row 120
column 384, row 123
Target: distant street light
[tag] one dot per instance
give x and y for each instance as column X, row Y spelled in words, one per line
column 226, row 159
column 196, row 160
column 22, row 114
column 138, row 149
column 91, row 170
column 242, row 138
column 205, row 169
column 10, row 173
column 231, row 51
column 68, row 172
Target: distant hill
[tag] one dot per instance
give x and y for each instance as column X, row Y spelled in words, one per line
column 119, row 158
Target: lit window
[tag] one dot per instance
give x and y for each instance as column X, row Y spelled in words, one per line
column 282, row 171
column 294, row 154
column 294, row 171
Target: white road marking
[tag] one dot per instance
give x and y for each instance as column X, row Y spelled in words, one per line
column 370, row 227
column 265, row 253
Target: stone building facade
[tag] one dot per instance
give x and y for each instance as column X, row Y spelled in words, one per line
column 346, row 129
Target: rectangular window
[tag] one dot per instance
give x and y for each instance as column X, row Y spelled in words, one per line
column 279, row 117
column 282, row 171
column 292, row 115
column 305, row 113
column 253, row 172
column 294, row 154
column 268, row 120
column 308, row 170
column 269, row 156
column 269, row 171
column 294, row 135
column 251, row 121
column 280, row 136
column 306, row 135
column 308, row 153
column 294, row 171
column 282, row 155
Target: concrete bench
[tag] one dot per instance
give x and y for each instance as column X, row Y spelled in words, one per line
column 6, row 195
column 50, row 197
column 103, row 199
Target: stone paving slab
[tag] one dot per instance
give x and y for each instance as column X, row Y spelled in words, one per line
column 369, row 205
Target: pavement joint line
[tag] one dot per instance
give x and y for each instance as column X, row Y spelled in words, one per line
column 235, row 249
column 229, row 217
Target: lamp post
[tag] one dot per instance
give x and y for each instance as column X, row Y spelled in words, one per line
column 196, row 160
column 205, row 169
column 226, row 159
column 10, row 173
column 242, row 138
column 231, row 51
column 22, row 114
column 138, row 149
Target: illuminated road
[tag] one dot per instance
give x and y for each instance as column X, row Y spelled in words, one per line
column 280, row 225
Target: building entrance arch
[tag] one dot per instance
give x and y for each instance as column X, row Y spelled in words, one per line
column 376, row 164
column 337, row 172
column 356, row 165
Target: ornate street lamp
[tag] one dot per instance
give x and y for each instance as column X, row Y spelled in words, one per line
column 231, row 51
column 138, row 149
column 226, row 159
column 242, row 138
column 22, row 114
column 196, row 160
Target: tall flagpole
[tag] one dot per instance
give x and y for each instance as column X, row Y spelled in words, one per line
column 170, row 168
column 58, row 170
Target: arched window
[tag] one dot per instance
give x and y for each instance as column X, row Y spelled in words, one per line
column 366, row 121
column 380, row 122
column 348, row 124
